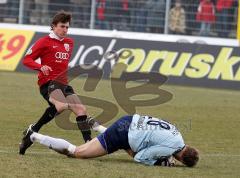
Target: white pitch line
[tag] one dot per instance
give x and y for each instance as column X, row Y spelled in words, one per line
column 40, row 152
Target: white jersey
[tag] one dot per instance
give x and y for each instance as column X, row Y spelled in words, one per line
column 153, row 138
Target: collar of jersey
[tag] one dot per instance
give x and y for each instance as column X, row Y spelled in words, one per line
column 54, row 36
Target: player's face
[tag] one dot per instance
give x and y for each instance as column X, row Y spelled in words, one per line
column 61, row 29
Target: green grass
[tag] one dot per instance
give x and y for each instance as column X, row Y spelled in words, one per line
column 208, row 118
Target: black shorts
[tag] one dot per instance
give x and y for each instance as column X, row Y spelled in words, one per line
column 50, row 86
column 116, row 136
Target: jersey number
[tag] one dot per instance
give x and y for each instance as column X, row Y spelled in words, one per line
column 163, row 125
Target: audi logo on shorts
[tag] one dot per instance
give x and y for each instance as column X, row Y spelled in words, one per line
column 60, row 55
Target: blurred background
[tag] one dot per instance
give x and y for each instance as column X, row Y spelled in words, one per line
column 216, row 18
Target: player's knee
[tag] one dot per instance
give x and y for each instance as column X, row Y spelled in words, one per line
column 61, row 107
column 79, row 109
column 81, row 152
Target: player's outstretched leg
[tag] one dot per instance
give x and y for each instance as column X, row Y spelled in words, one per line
column 27, row 141
column 59, row 145
column 90, row 149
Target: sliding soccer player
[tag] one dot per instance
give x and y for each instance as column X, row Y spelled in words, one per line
column 148, row 140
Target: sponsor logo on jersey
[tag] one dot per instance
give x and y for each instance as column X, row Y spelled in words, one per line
column 61, row 55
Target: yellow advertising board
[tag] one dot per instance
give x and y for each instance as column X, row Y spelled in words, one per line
column 13, row 44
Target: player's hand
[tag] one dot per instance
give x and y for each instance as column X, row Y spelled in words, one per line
column 169, row 162
column 46, row 69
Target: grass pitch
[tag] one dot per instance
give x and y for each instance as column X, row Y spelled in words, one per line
column 208, row 119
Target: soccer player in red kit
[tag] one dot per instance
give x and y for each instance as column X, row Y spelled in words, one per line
column 54, row 51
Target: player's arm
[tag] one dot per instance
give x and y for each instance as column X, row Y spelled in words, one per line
column 154, row 155
column 33, row 54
